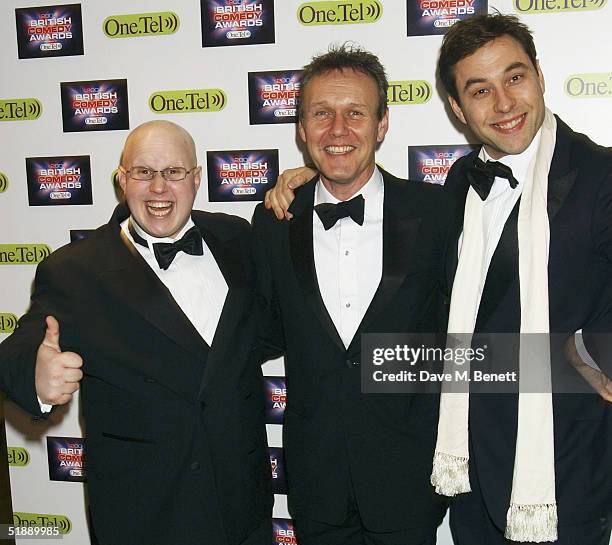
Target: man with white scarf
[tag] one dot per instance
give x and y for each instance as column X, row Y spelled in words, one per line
column 536, row 467
column 531, row 254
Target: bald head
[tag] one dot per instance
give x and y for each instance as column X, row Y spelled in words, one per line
column 153, row 132
column 161, row 207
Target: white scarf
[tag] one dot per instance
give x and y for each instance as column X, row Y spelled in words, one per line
column 532, row 515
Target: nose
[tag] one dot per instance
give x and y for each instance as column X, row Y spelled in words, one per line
column 339, row 126
column 157, row 184
column 504, row 100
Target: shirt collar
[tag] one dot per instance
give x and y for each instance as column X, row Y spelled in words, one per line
column 152, row 240
column 371, row 189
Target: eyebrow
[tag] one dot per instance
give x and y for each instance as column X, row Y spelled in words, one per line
column 324, row 103
column 513, row 66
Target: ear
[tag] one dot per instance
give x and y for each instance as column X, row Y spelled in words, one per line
column 197, row 177
column 383, row 127
column 540, row 77
column 122, row 178
column 457, row 109
column 301, row 131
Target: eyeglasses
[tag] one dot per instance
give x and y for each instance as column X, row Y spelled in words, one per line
column 170, row 174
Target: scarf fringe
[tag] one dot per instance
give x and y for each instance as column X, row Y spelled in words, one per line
column 532, row 523
column 450, row 474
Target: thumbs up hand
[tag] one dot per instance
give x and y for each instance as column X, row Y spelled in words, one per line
column 57, row 373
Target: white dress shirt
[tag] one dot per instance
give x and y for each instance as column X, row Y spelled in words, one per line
column 195, row 282
column 348, row 258
column 501, row 200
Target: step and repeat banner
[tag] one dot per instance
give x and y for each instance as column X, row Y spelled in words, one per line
column 76, row 77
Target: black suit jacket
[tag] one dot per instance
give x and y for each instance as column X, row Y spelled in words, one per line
column 580, row 297
column 175, row 439
column 335, row 437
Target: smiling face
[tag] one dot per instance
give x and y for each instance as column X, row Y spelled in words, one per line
column 341, row 129
column 501, row 96
column 160, row 207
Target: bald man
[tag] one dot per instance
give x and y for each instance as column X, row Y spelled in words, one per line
column 151, row 317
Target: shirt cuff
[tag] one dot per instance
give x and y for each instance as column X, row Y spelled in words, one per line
column 44, row 408
column 583, row 352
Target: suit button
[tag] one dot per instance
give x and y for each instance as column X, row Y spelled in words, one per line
column 350, row 364
column 194, row 466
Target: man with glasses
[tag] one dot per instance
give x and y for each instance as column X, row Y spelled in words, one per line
column 151, row 316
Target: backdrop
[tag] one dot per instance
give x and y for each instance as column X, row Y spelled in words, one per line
column 76, row 77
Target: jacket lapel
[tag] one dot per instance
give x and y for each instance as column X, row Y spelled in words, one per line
column 562, row 175
column 400, row 229
column 302, row 258
column 561, row 179
column 127, row 274
column 457, row 186
column 232, row 263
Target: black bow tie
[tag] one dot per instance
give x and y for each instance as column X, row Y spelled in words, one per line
column 481, row 176
column 330, row 213
column 165, row 252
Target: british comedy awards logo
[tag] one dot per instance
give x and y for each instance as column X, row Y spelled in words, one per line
column 277, row 467
column 283, row 532
column 429, row 17
column 432, row 163
column 276, row 399
column 241, row 175
column 49, row 31
column 58, row 180
column 273, row 96
column 237, row 22
column 65, row 459
column 95, row 105
column 80, row 234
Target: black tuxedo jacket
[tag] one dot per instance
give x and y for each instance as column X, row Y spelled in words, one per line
column 580, row 297
column 335, row 437
column 175, row 440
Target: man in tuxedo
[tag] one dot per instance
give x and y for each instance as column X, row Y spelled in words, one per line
column 363, row 254
column 152, row 317
column 540, row 472
column 531, row 252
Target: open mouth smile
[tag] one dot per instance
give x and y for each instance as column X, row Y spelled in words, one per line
column 512, row 125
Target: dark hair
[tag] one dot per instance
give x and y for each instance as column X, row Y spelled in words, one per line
column 467, row 36
column 347, row 56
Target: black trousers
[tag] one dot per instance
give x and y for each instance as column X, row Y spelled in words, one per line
column 353, row 532
column 471, row 524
